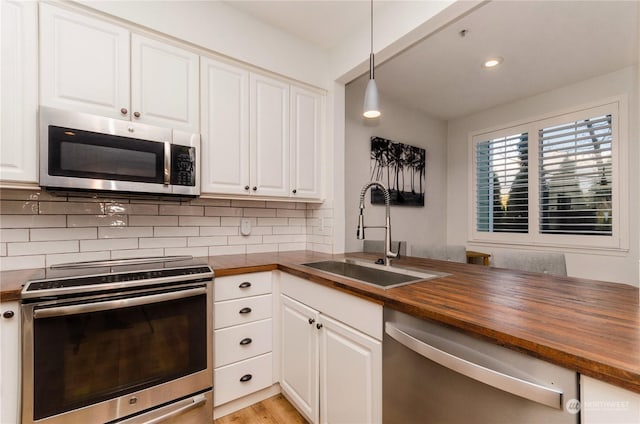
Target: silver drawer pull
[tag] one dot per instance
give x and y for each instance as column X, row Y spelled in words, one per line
column 245, row 378
column 244, row 285
column 245, row 341
column 244, row 310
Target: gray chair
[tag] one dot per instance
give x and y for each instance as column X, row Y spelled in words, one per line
column 377, row 246
column 453, row 253
column 544, row 262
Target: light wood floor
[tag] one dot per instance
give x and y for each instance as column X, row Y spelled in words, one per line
column 274, row 410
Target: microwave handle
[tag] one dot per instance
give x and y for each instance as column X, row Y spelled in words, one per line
column 167, row 163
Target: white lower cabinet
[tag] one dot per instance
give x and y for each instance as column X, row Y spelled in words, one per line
column 243, row 336
column 603, row 403
column 10, row 362
column 331, row 368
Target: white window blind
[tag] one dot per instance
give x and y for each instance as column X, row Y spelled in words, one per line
column 502, row 184
column 575, row 177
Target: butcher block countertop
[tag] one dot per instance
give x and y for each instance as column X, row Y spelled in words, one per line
column 591, row 327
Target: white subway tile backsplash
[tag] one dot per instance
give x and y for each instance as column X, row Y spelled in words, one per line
column 124, row 232
column 207, row 241
column 177, row 231
column 17, row 234
column 41, row 247
column 18, row 207
column 71, row 208
column 97, row 221
column 32, row 221
column 227, row 250
column 146, row 243
column 41, row 229
column 137, row 253
column 200, row 221
column 153, row 221
column 76, row 257
column 196, row 252
column 259, row 212
column 10, row 263
column 182, row 210
column 245, row 239
column 218, row 231
column 108, row 244
column 219, row 211
column 46, row 234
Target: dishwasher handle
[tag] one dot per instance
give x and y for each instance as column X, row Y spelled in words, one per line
column 510, row 384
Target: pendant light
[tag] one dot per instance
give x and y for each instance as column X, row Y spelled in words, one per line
column 371, row 98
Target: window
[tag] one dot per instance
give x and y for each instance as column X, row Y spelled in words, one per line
column 554, row 181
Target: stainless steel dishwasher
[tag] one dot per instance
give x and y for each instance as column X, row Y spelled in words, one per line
column 434, row 374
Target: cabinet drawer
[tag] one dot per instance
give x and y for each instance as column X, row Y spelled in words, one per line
column 228, row 384
column 242, row 311
column 240, row 342
column 237, row 286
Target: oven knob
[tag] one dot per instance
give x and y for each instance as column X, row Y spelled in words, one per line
column 133, row 400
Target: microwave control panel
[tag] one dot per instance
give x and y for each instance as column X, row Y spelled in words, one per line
column 183, row 165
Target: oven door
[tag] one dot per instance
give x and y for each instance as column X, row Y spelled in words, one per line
column 104, row 359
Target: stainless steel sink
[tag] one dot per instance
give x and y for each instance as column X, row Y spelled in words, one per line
column 376, row 275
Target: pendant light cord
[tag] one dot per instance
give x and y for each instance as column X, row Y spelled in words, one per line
column 371, row 61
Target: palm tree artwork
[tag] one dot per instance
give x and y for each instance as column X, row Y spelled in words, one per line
column 401, row 168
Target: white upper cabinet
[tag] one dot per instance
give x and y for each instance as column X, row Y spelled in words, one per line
column 269, row 136
column 306, row 137
column 260, row 136
column 164, row 85
column 84, row 63
column 19, row 99
column 93, row 66
column 225, row 128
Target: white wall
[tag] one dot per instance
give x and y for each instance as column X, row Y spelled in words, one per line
column 617, row 267
column 415, row 225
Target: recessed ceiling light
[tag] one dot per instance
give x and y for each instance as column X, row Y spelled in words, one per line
column 492, row 63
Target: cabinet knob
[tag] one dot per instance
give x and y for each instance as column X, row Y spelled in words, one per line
column 319, row 325
column 244, row 285
column 245, row 341
column 311, row 321
column 244, row 310
column 246, row 187
column 124, row 111
column 294, row 191
column 245, row 378
column 136, row 114
column 8, row 314
column 254, row 188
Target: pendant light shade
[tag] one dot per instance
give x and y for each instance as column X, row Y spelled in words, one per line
column 371, row 97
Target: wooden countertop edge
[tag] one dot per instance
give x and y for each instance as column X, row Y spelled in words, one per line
column 628, row 379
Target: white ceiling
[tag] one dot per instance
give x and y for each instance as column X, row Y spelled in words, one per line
column 545, row 45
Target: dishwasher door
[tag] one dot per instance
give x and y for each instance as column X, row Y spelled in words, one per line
column 434, row 374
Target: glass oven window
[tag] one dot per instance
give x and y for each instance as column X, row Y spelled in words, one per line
column 91, row 357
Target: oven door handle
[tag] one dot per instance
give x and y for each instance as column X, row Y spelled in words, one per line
column 59, row 311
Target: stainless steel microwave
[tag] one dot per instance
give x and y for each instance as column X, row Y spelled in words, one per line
column 80, row 152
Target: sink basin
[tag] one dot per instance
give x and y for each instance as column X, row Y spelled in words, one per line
column 376, row 275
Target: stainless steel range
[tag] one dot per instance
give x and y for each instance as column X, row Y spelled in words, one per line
column 119, row 342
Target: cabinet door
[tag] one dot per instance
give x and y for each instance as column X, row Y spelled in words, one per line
column 164, row 85
column 299, row 356
column 225, row 128
column 269, row 136
column 19, row 99
column 350, row 376
column 306, row 139
column 10, row 361
column 603, row 403
column 84, row 63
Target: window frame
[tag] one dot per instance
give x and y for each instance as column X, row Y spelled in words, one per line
column 619, row 239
